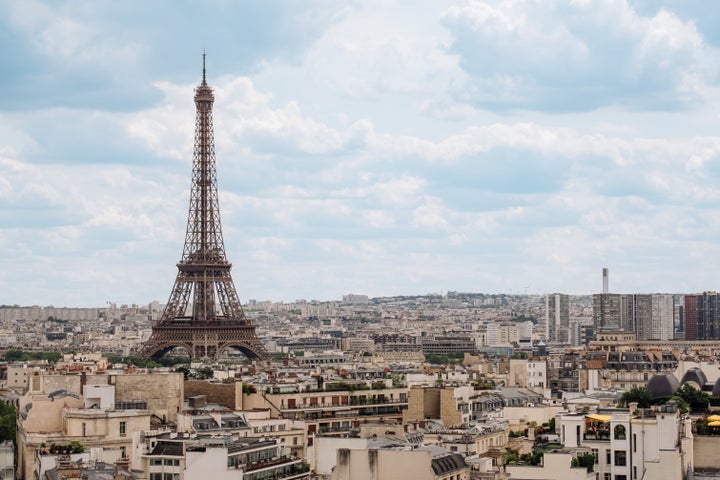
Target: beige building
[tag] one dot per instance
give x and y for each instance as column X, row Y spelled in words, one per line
column 178, row 456
column 508, row 334
column 555, row 465
column 44, row 426
column 518, row 418
column 433, row 403
column 528, row 373
column 423, row 463
column 7, row 460
column 331, row 411
column 99, row 411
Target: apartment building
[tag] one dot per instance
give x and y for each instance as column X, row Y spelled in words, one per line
column 632, row 444
column 626, row 369
column 334, row 409
column 394, row 462
column 191, row 457
column 528, row 373
column 557, row 464
column 649, row 316
column 60, row 422
column 702, row 316
column 557, row 318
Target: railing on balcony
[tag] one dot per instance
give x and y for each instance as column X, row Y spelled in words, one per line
column 352, row 403
column 271, row 462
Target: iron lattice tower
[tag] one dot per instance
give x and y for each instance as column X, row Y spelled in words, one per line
column 203, row 314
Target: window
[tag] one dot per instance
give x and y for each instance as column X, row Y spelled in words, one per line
column 608, row 457
column 155, row 461
column 123, row 426
column 620, row 458
column 156, row 476
column 594, row 452
column 619, row 432
column 123, row 452
column 634, row 442
column 83, row 429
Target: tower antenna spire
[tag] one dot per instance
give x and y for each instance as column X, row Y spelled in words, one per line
column 203, row 81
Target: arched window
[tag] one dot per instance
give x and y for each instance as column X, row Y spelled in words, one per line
column 619, row 432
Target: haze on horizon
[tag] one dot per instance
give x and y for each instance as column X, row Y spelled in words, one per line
column 377, row 148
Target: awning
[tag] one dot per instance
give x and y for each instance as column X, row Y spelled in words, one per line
column 598, row 418
column 713, row 418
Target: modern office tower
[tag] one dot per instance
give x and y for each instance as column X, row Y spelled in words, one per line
column 702, row 316
column 653, row 316
column 690, row 317
column 612, row 311
column 649, row 316
column 557, row 317
column 709, row 315
column 203, row 314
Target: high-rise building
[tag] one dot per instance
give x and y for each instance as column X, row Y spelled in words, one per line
column 612, row 311
column 690, row 317
column 653, row 316
column 649, row 316
column 702, row 316
column 557, row 317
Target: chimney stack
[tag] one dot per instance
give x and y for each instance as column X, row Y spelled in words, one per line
column 606, row 280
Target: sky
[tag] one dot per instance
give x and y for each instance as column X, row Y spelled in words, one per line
column 368, row 147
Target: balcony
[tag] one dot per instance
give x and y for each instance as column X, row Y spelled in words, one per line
column 338, row 406
column 284, row 467
column 270, row 462
column 330, row 431
column 344, row 414
column 597, row 435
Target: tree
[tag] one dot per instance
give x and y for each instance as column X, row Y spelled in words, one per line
column 51, row 357
column 185, row 371
column 13, row 355
column 586, row 460
column 203, row 373
column 641, row 395
column 696, row 399
column 509, row 457
column 682, row 405
column 7, row 422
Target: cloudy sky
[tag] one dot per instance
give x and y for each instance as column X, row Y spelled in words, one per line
column 369, row 147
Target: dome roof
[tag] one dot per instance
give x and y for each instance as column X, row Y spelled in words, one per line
column 694, row 375
column 716, row 388
column 663, row 385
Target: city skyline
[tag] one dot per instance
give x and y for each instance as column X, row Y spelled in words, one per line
column 372, row 148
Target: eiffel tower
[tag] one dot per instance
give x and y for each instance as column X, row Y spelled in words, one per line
column 203, row 315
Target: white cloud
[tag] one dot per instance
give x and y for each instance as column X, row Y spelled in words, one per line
column 578, row 56
column 363, row 162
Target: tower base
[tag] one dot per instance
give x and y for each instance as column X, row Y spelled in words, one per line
column 206, row 341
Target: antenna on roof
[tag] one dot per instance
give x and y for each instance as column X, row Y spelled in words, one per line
column 203, row 81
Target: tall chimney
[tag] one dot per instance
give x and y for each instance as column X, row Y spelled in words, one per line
column 606, row 280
